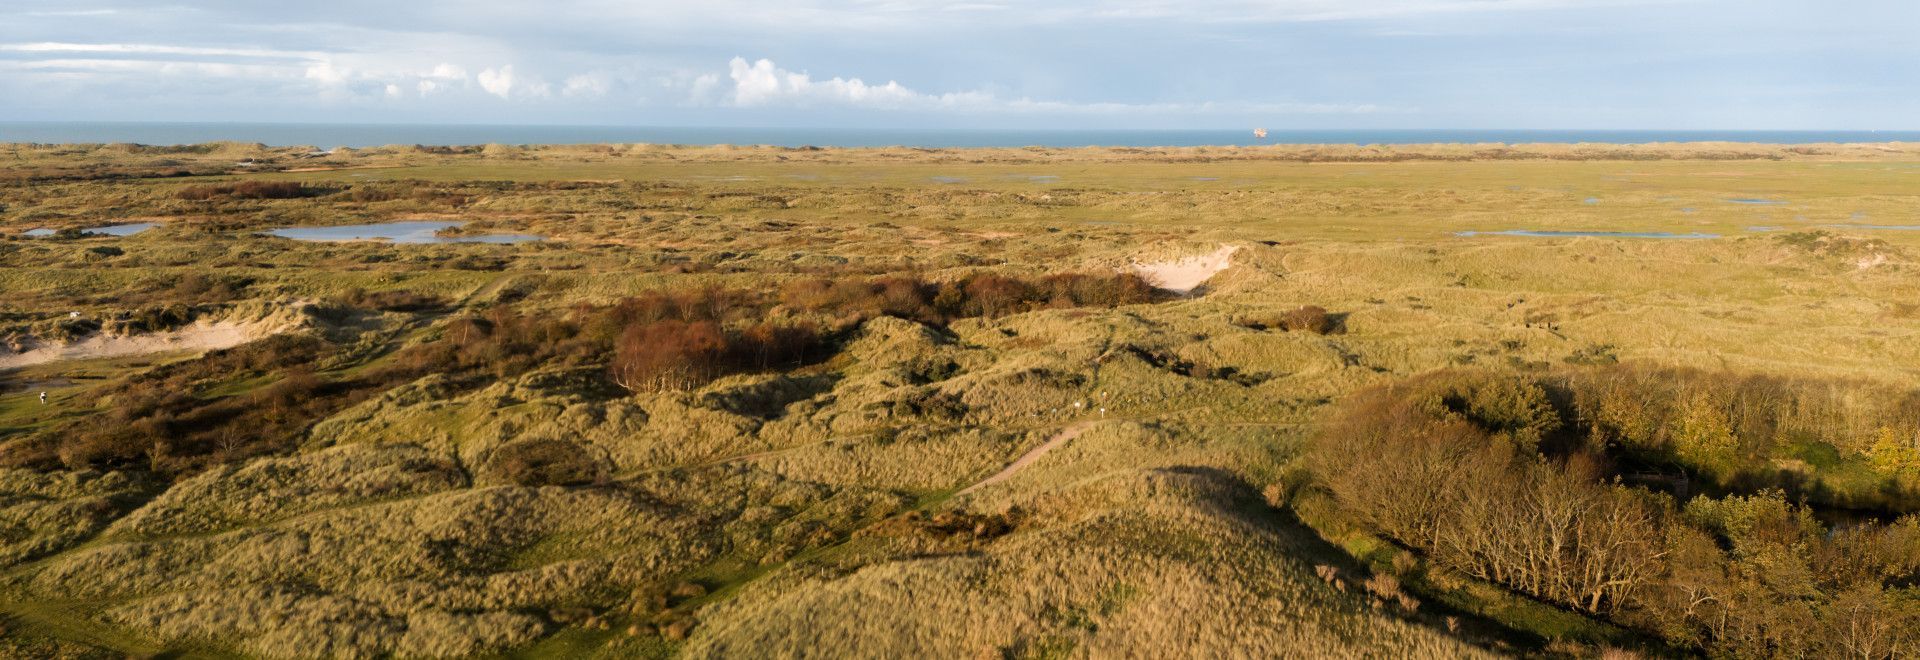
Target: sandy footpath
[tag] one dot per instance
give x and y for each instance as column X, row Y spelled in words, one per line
column 1058, row 439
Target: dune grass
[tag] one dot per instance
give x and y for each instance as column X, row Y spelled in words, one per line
column 522, row 504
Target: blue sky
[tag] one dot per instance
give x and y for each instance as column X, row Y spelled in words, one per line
column 1681, row 64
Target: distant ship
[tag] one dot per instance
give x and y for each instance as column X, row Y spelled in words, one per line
column 1259, row 134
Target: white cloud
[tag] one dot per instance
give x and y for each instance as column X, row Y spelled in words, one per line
column 931, row 16
column 702, row 91
column 505, row 83
column 393, row 91
column 590, row 85
column 328, row 74
column 498, row 82
column 762, row 83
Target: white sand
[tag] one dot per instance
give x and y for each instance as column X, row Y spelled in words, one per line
column 1188, row 273
column 201, row 336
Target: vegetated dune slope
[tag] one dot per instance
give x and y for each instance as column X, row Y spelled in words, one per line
column 726, row 410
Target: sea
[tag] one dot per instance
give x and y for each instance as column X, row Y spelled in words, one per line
column 372, row 135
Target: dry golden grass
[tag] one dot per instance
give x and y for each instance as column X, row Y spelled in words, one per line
column 812, row 511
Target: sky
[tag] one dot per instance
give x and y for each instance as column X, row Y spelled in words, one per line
column 1289, row 64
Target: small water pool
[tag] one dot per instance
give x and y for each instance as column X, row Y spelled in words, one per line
column 948, row 179
column 1541, row 233
column 128, row 229
column 413, row 232
column 1757, row 201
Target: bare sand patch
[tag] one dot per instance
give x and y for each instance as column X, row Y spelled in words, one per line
column 1185, row 274
column 203, row 336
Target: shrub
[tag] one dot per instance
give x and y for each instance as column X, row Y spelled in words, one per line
column 673, row 354
column 248, row 190
column 669, row 355
column 1310, row 318
column 390, row 301
column 983, row 294
column 545, row 462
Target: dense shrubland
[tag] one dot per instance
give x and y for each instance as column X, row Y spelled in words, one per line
column 1539, row 484
column 249, row 190
column 259, row 398
column 1838, row 443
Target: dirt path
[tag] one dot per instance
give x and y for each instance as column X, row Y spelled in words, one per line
column 1069, row 433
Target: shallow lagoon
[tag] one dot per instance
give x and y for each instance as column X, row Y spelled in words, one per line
column 128, row 229
column 421, row 231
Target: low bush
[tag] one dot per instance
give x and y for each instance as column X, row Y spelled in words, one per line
column 1310, row 318
column 248, row 190
column 545, row 462
column 390, row 301
column 979, row 295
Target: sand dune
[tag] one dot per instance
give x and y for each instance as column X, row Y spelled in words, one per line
column 202, row 336
column 1187, row 273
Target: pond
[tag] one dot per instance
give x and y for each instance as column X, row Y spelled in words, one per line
column 1756, row 201
column 122, row 230
column 423, row 231
column 106, row 230
column 1541, row 233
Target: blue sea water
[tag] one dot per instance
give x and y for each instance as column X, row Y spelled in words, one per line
column 369, row 135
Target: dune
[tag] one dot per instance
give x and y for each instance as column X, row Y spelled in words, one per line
column 1185, row 274
column 204, row 336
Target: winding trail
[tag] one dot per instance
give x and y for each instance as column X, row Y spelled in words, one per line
column 1069, row 433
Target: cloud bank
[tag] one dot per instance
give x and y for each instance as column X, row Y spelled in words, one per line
column 984, row 63
column 762, row 83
